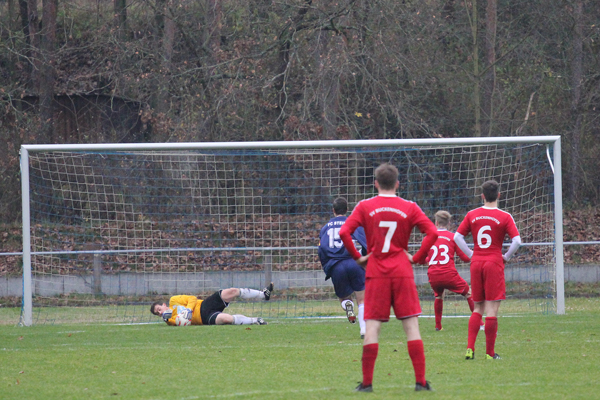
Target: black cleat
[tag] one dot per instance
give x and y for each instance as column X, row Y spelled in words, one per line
column 419, row 387
column 260, row 321
column 267, row 291
column 361, row 388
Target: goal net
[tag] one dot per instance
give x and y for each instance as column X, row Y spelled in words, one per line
column 108, row 229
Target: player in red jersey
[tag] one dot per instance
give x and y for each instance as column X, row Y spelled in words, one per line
column 388, row 221
column 442, row 272
column 488, row 225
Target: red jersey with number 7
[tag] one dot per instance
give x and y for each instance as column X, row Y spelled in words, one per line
column 388, row 221
column 489, row 227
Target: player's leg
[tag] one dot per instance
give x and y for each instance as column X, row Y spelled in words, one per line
column 495, row 291
column 370, row 351
column 340, row 277
column 416, row 350
column 228, row 295
column 407, row 309
column 477, row 288
column 378, row 297
column 237, row 319
column 211, row 310
column 438, row 308
column 466, row 293
column 360, row 299
column 356, row 277
column 491, row 327
column 437, row 286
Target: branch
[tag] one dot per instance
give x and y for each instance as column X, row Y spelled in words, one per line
column 520, row 128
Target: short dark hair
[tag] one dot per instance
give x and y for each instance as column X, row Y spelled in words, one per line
column 443, row 218
column 387, row 176
column 490, row 190
column 156, row 303
column 340, row 206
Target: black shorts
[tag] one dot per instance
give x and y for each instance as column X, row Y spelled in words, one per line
column 212, row 306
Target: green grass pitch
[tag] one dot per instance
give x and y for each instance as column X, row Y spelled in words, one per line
column 543, row 357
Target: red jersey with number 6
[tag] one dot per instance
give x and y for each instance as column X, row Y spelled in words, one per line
column 489, row 227
column 388, row 221
column 441, row 255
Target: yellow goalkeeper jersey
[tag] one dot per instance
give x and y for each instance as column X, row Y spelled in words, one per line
column 185, row 301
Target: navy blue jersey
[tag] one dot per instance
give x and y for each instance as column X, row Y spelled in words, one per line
column 331, row 248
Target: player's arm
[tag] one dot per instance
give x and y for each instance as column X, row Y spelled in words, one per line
column 461, row 245
column 459, row 237
column 464, row 255
column 514, row 246
column 513, row 232
column 361, row 238
column 346, row 231
column 322, row 256
column 431, row 234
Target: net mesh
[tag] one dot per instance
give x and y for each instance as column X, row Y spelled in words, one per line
column 113, row 231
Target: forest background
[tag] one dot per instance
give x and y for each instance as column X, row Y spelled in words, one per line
column 92, row 71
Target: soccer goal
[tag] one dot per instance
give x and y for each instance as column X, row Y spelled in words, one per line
column 110, row 228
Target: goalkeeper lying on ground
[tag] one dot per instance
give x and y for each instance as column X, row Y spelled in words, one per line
column 210, row 310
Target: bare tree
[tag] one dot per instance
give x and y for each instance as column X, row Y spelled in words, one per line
column 120, row 19
column 34, row 43
column 576, row 111
column 489, row 78
column 48, row 74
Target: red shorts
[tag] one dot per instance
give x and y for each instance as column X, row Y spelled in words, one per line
column 487, row 281
column 449, row 280
column 383, row 293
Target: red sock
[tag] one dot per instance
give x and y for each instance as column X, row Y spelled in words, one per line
column 417, row 356
column 368, row 362
column 471, row 303
column 438, row 306
column 491, row 331
column 474, row 323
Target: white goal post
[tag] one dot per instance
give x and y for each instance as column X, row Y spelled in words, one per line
column 115, row 224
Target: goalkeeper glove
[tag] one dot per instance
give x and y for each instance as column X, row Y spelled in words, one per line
column 167, row 315
column 187, row 313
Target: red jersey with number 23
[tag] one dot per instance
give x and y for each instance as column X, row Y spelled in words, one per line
column 489, row 226
column 441, row 255
column 388, row 221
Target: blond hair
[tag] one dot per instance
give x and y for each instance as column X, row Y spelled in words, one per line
column 442, row 218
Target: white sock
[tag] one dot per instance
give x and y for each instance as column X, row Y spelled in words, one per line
column 239, row 319
column 251, row 294
column 361, row 318
column 343, row 304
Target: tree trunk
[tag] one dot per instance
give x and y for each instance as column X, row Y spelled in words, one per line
column 327, row 57
column 476, row 75
column 24, row 19
column 34, row 42
column 166, row 56
column 576, row 115
column 213, row 25
column 489, row 79
column 48, row 73
column 120, row 11
column 283, row 55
